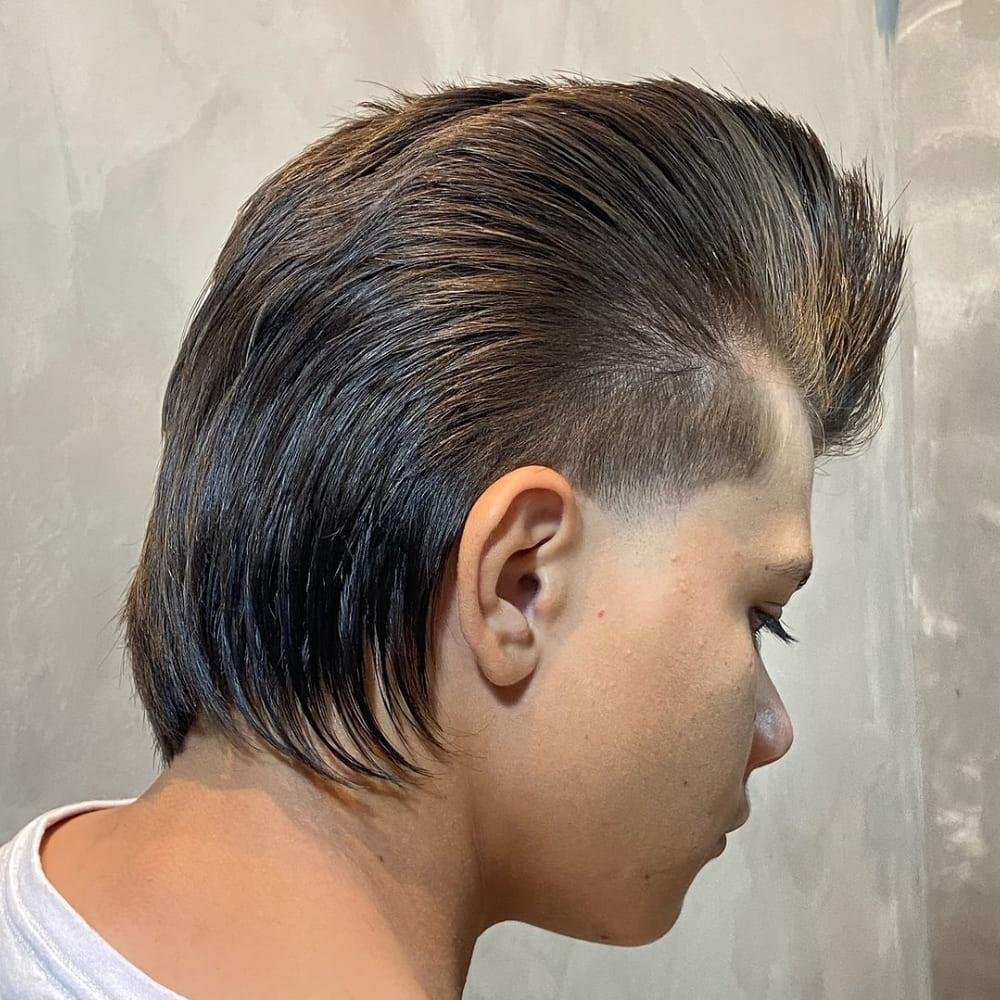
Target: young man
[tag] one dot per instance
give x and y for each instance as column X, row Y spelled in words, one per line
column 486, row 459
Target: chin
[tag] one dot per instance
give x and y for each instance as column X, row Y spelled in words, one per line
column 669, row 917
column 637, row 937
column 629, row 913
column 644, row 925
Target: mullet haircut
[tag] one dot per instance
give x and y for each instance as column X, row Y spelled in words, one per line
column 574, row 274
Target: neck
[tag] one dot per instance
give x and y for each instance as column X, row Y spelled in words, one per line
column 387, row 882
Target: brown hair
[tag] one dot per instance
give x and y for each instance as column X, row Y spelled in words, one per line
column 452, row 285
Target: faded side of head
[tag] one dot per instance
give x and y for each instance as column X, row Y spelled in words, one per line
column 451, row 285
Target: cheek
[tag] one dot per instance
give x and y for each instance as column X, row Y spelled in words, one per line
column 669, row 677
column 648, row 700
column 693, row 676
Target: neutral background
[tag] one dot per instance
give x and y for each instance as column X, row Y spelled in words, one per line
column 131, row 133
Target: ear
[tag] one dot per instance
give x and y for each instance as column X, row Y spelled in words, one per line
column 515, row 568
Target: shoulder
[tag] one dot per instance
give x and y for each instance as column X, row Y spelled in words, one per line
column 47, row 949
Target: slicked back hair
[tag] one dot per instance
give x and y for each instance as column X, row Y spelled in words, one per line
column 452, row 285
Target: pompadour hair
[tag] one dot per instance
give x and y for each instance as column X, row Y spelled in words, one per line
column 451, row 285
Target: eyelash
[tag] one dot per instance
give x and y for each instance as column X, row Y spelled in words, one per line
column 762, row 620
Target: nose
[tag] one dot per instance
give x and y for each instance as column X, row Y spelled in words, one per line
column 772, row 730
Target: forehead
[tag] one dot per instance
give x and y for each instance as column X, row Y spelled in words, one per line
column 765, row 519
column 792, row 460
column 769, row 516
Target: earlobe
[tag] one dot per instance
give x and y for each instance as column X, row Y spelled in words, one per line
column 512, row 570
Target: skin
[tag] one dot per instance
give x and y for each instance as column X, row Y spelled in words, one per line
column 606, row 704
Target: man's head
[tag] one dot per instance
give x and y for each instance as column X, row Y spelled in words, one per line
column 500, row 404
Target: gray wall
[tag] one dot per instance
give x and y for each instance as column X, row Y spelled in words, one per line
column 947, row 69
column 139, row 129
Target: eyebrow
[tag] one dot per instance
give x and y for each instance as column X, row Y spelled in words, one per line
column 799, row 569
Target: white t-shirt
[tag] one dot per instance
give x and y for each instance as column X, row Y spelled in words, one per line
column 47, row 950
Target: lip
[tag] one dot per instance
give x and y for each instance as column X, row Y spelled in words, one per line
column 742, row 820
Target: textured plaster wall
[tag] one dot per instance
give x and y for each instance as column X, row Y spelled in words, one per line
column 131, row 134
column 948, row 90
